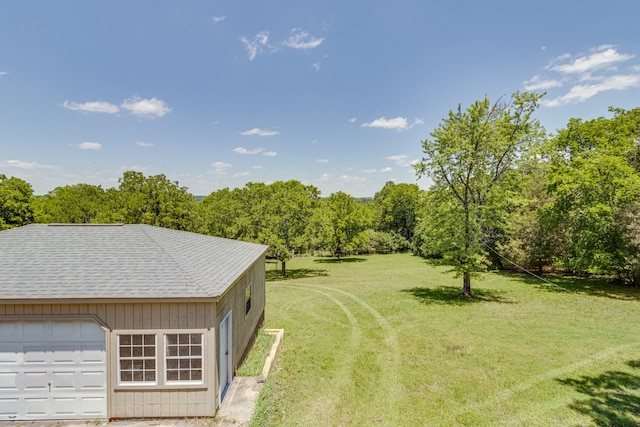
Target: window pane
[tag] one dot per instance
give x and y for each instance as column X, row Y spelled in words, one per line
column 184, row 338
column 136, row 351
column 172, row 351
column 196, row 338
column 125, row 376
column 150, row 340
column 150, row 365
column 184, row 375
column 150, row 376
column 138, row 364
column 125, row 351
column 138, row 376
column 196, row 363
column 196, row 350
column 125, row 365
column 183, row 350
column 172, row 375
column 149, row 351
column 172, row 339
column 125, row 339
column 136, row 339
column 196, row 375
column 172, row 364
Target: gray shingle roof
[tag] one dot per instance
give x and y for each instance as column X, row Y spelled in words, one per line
column 41, row 261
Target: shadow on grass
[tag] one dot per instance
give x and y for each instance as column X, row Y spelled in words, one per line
column 448, row 295
column 582, row 285
column 294, row 273
column 613, row 397
column 336, row 261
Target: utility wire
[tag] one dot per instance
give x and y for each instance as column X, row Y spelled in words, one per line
column 524, row 269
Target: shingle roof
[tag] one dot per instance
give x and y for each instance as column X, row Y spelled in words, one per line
column 41, row 261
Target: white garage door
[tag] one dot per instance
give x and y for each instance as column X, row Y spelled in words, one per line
column 54, row 369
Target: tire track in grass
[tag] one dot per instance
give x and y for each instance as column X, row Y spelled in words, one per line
column 546, row 376
column 320, row 406
column 391, row 362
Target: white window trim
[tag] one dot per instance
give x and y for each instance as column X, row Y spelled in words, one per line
column 166, row 357
column 137, row 383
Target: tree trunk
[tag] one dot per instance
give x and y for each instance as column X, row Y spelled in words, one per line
column 284, row 268
column 466, row 284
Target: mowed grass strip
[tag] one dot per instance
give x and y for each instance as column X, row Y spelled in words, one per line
column 387, row 340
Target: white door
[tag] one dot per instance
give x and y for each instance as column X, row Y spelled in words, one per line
column 52, row 369
column 225, row 369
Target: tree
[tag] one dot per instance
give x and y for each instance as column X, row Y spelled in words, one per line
column 73, row 204
column 470, row 159
column 15, row 202
column 595, row 184
column 152, row 200
column 342, row 223
column 281, row 216
column 396, row 209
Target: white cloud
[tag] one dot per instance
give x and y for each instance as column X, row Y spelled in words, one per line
column 259, row 132
column 19, row 164
column 369, row 171
column 581, row 93
column 270, row 153
column 217, row 19
column 148, row 108
column 316, row 66
column 387, row 169
column 144, row 144
column 257, row 167
column 399, row 159
column 603, row 56
column 92, row 107
column 88, row 145
column 3, row 73
column 353, row 119
column 322, row 161
column 259, row 44
column 350, row 178
column 397, row 123
column 585, row 76
column 242, row 150
column 300, row 39
column 538, row 83
column 220, row 168
column 242, row 174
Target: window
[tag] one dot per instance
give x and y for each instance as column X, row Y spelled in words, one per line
column 183, row 357
column 247, row 299
column 137, row 358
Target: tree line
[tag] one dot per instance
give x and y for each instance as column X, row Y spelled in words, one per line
column 503, row 193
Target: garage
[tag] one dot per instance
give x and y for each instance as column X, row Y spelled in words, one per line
column 52, row 369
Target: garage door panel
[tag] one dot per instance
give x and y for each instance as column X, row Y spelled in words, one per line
column 8, row 381
column 48, row 371
column 35, row 354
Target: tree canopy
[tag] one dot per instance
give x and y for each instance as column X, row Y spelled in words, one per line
column 470, row 159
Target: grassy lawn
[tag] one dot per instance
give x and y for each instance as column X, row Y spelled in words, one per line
column 386, row 340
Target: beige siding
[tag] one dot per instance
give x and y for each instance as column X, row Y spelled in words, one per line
column 159, row 317
column 243, row 326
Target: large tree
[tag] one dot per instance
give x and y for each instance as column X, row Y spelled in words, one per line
column 470, row 159
column 15, row 202
column 594, row 179
column 396, row 209
column 153, row 200
column 75, row 204
column 341, row 223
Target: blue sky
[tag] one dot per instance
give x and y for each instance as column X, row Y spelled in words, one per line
column 336, row 94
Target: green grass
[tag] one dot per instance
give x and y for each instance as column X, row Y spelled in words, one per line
column 387, row 340
column 253, row 364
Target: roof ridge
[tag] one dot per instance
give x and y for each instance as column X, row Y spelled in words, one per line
column 180, row 266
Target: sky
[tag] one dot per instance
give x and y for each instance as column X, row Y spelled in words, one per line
column 335, row 94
